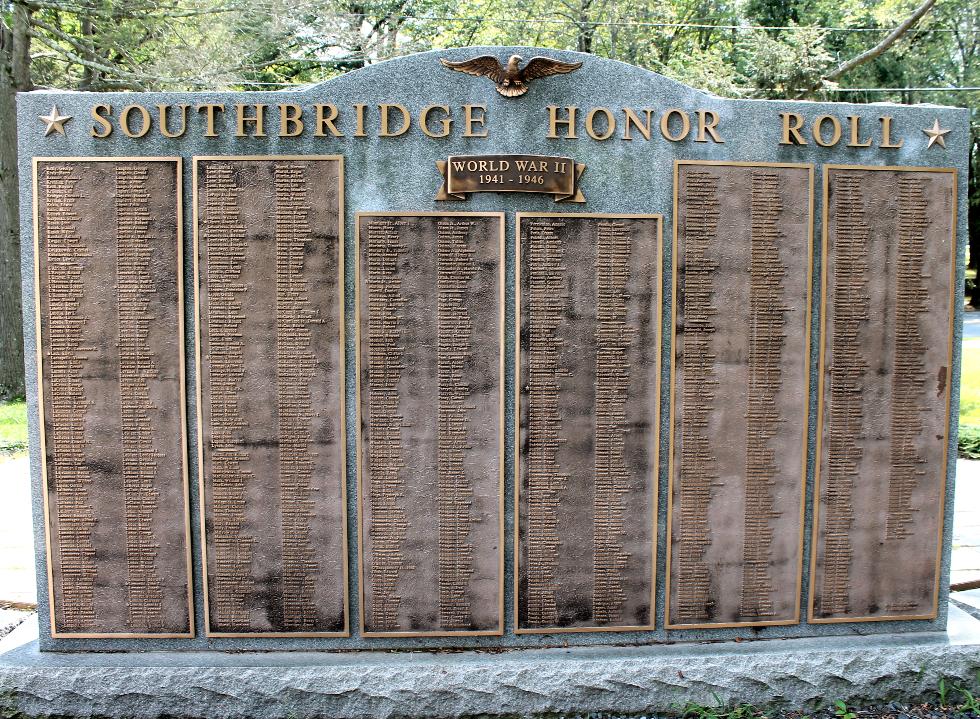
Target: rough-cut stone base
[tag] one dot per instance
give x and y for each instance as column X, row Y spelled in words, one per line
column 794, row 673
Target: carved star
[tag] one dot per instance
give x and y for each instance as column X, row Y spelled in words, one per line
column 55, row 121
column 936, row 134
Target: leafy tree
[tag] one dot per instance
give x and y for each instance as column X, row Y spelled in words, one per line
column 14, row 76
column 112, row 45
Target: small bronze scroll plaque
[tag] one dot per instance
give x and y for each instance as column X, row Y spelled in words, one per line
column 884, row 388
column 742, row 249
column 589, row 384
column 110, row 338
column 269, row 248
column 556, row 176
column 430, row 324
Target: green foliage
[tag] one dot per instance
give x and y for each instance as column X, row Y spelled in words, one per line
column 970, row 703
column 954, row 698
column 692, row 710
column 842, row 712
column 711, row 44
column 780, row 66
column 13, row 427
column 969, row 441
column 958, row 698
column 970, row 384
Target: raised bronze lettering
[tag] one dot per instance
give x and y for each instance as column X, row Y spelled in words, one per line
column 554, row 122
column 145, row 125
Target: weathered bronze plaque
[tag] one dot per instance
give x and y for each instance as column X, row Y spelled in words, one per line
column 510, row 173
column 430, row 324
column 589, row 398
column 269, row 247
column 742, row 249
column 110, row 347
column 465, row 174
column 889, row 243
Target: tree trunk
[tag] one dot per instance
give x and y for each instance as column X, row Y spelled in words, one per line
column 14, row 76
column 586, row 30
column 89, row 74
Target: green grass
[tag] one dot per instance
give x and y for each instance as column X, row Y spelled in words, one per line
column 947, row 698
column 13, row 427
column 970, row 384
column 969, row 438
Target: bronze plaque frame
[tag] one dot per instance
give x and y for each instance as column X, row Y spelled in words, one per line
column 182, row 380
column 502, row 271
column 806, row 391
column 342, row 440
column 942, row 499
column 655, row 455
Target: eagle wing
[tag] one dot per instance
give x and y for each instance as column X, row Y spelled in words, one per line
column 544, row 66
column 483, row 66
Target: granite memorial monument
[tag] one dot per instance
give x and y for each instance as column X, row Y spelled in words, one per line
column 463, row 350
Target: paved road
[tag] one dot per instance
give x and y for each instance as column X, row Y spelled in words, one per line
column 971, row 325
column 17, row 557
column 16, row 538
column 966, row 523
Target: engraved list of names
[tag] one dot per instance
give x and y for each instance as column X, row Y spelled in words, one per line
column 111, row 337
column 885, row 376
column 269, row 251
column 430, row 466
column 588, row 379
column 740, row 390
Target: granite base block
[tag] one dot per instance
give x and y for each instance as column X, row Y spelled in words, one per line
column 791, row 673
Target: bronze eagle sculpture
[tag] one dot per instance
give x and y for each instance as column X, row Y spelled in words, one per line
column 512, row 81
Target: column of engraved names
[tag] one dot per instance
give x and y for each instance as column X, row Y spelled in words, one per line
column 767, row 323
column 456, row 269
column 909, row 374
column 851, row 300
column 140, row 460
column 295, row 367
column 65, row 252
column 613, row 336
column 547, row 299
column 698, row 465
column 223, row 232
column 908, row 380
column 386, row 351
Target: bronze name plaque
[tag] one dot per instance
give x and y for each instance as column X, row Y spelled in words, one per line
column 465, row 174
column 742, row 249
column 430, row 365
column 511, row 173
column 269, row 250
column 110, row 338
column 588, row 409
column 889, row 242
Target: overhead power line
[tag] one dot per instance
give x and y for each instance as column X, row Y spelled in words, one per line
column 900, row 89
column 690, row 25
column 300, row 7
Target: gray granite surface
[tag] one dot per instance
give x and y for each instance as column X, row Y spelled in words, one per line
column 789, row 674
column 400, row 174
